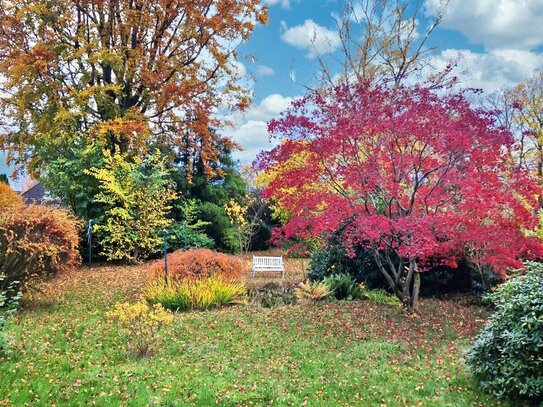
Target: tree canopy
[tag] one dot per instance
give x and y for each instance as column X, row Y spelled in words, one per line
column 413, row 176
column 126, row 74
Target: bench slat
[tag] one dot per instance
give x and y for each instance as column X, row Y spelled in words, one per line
column 268, row 263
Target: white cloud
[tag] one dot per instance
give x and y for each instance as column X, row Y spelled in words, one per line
column 495, row 69
column 497, row 24
column 253, row 137
column 263, row 70
column 240, row 69
column 251, row 129
column 284, row 3
column 269, row 107
column 318, row 40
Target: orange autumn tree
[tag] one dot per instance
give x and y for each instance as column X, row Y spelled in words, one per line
column 119, row 74
column 9, row 200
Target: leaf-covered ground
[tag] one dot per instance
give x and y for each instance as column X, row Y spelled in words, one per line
column 341, row 353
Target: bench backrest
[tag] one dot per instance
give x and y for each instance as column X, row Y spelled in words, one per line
column 267, row 262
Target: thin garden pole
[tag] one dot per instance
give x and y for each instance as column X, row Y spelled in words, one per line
column 165, row 255
column 185, row 233
column 89, row 242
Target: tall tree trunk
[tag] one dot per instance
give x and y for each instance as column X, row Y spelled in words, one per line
column 482, row 275
column 409, row 279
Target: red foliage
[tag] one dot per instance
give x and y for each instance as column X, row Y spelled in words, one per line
column 198, row 264
column 37, row 241
column 414, row 175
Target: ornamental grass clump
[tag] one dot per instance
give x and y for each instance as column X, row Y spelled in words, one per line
column 507, row 356
column 201, row 294
column 140, row 325
column 312, row 291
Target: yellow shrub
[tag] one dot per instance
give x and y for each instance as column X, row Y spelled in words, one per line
column 141, row 324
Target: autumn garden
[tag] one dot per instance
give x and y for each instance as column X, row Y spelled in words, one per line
column 406, row 209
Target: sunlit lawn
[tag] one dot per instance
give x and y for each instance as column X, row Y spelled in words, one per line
column 354, row 353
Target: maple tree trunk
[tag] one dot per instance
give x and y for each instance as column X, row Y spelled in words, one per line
column 415, row 293
column 395, row 287
column 407, row 290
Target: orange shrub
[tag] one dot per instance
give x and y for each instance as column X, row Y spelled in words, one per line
column 197, row 264
column 37, row 241
column 9, row 199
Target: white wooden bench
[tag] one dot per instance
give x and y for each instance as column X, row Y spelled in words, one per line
column 264, row 263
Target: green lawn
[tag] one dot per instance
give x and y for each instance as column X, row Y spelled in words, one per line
column 353, row 353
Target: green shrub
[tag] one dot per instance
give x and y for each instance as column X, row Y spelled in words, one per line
column 377, row 295
column 9, row 301
column 273, row 295
column 194, row 294
column 507, row 356
column 194, row 238
column 342, row 286
column 332, row 259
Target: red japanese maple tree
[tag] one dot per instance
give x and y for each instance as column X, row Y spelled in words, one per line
column 411, row 175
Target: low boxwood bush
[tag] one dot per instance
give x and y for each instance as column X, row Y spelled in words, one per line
column 194, row 294
column 507, row 356
column 342, row 286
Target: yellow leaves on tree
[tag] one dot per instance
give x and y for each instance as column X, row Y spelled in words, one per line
column 236, row 213
column 9, row 199
column 528, row 116
column 246, row 218
column 136, row 196
column 132, row 72
column 275, row 173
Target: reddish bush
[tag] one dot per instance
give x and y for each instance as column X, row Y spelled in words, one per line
column 37, row 241
column 198, row 264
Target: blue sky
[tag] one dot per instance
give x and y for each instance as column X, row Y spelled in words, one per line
column 500, row 43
